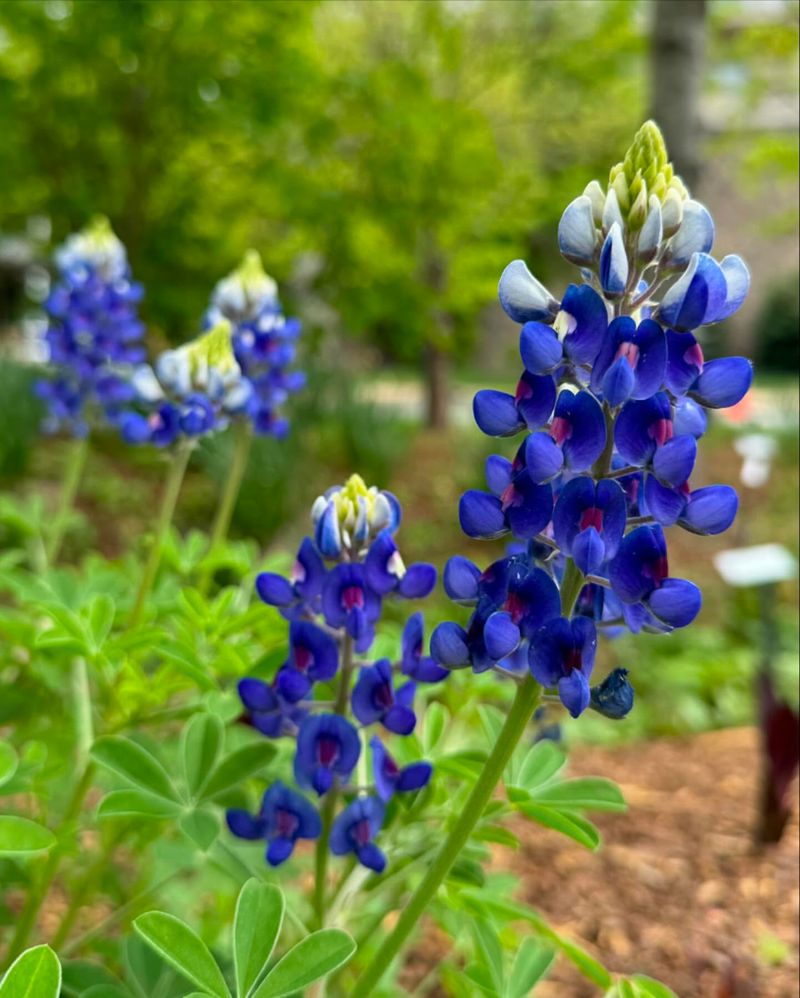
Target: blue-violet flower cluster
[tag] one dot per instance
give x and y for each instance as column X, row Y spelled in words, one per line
column 94, row 334
column 612, row 398
column 264, row 342
column 333, row 601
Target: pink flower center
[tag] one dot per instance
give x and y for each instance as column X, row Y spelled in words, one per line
column 661, row 431
column 286, row 824
column 383, row 696
column 572, row 660
column 630, row 352
column 657, row 570
column 515, row 606
column 560, row 429
column 510, row 497
column 352, row 597
column 298, row 573
column 592, row 517
column 302, row 658
column 361, row 832
column 524, row 391
column 694, row 356
column 327, row 751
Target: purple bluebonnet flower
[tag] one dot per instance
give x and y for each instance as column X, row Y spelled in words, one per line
column 94, row 334
column 328, row 747
column 264, row 342
column 355, row 829
column 391, row 778
column 614, row 395
column 299, row 595
column 313, row 658
column 376, row 700
column 268, row 710
column 349, row 602
column 413, row 662
column 284, row 817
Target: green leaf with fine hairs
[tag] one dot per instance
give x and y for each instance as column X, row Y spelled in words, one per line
column 490, row 950
column 650, row 988
column 176, row 943
column 121, row 803
column 589, row 793
column 36, row 973
column 8, row 762
column 568, row 823
column 202, row 743
column 201, row 827
column 134, row 763
column 236, row 767
column 256, row 927
column 21, row 835
column 310, row 960
column 530, row 965
column 541, row 763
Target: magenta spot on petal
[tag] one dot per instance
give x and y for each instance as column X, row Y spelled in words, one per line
column 694, row 356
column 352, row 597
column 524, row 391
column 515, row 606
column 510, row 497
column 383, row 696
column 361, row 832
column 327, row 751
column 286, row 823
column 656, row 570
column 298, row 573
column 572, row 660
column 661, row 431
column 560, row 429
column 302, row 658
column 592, row 517
column 630, row 352
column 390, row 767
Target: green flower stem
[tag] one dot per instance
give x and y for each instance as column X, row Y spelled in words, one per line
column 522, row 708
column 169, row 501
column 73, row 471
column 243, row 442
column 329, row 807
column 525, row 702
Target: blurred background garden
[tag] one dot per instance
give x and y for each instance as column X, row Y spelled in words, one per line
column 387, row 160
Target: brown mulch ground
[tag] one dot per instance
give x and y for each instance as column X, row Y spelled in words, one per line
column 677, row 890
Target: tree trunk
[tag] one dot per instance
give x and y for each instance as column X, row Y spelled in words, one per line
column 436, row 369
column 678, row 45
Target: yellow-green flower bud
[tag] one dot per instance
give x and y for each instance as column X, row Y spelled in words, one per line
column 638, row 210
column 645, row 168
column 672, row 212
column 213, row 351
column 597, row 196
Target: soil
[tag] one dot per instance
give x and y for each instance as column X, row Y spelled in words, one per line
column 677, row 890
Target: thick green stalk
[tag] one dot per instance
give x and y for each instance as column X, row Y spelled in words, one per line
column 169, row 500
column 522, row 708
column 329, row 807
column 525, row 702
column 73, row 471
column 243, row 441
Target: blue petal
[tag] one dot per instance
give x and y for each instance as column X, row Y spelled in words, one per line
column 533, row 514
column 590, row 313
column 522, row 297
column 496, row 413
column 631, row 571
column 674, row 462
column 614, row 263
column 588, row 551
column 695, row 235
column 737, row 279
column 543, row 457
column 382, row 565
column 535, row 398
column 399, row 719
column 618, row 383
column 710, row 510
column 371, row 856
column 498, row 474
column 574, row 692
column 449, row 646
column 575, row 498
column 577, row 234
column 697, row 297
column 690, row 418
column 461, row 579
column 540, row 348
column 723, row 382
column 587, row 436
column 256, row 695
column 684, row 361
column 419, row 580
column 664, row 504
column 652, row 232
column 501, row 635
column 327, row 534
column 481, row 515
column 274, row 589
column 546, row 652
column 676, row 602
column 414, row 777
column 279, row 850
column 633, row 434
column 244, row 825
column 613, row 698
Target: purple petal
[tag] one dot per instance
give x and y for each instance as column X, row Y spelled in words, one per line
column 522, row 297
column 723, row 382
column 257, row 695
column 481, row 515
column 501, row 635
column 695, row 235
column 737, row 280
column 589, row 311
column 697, row 297
column 414, row 777
column 535, row 398
column 498, row 474
column 674, row 462
column 274, row 589
column 461, row 579
column 370, row 855
column 399, row 719
column 419, row 580
column 496, row 413
column 618, row 383
column 690, row 418
column 449, row 646
column 540, row 348
column 664, row 504
column 543, row 458
column 574, row 692
column 710, row 510
column 577, row 234
column 533, row 514
column 586, row 428
column 588, row 551
column 614, row 262
column 244, row 825
column 676, row 602
column 279, row 850
column 684, row 361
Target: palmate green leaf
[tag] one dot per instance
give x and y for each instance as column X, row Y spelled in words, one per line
column 106, row 991
column 540, row 764
column 8, row 762
column 590, row 793
column 202, row 743
column 135, row 763
column 176, row 943
column 568, row 823
column 80, row 976
column 530, row 965
column 310, row 960
column 36, row 973
column 490, row 950
column 491, row 721
column 123, row 803
column 256, row 927
column 515, row 911
column 434, row 724
column 496, row 833
column 184, row 658
column 201, row 827
column 244, row 762
column 21, row 835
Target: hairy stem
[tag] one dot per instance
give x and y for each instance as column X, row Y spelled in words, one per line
column 73, row 471
column 169, row 501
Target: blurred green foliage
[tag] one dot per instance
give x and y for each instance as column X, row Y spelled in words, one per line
column 777, row 327
column 20, row 414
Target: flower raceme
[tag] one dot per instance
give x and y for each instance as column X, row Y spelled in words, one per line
column 612, row 398
column 333, row 601
column 94, row 334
